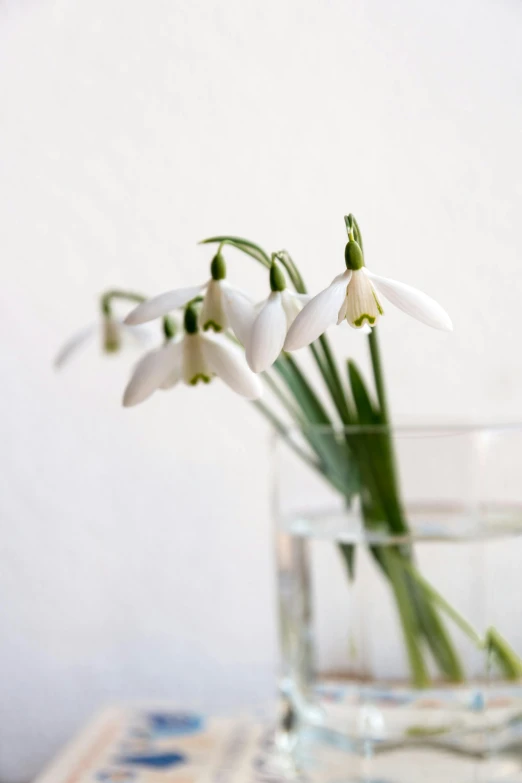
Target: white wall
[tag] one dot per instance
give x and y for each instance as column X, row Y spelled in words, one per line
column 135, row 549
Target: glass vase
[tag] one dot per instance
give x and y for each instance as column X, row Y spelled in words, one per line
column 399, row 591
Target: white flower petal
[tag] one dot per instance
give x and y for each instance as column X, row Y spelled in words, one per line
column 176, row 372
column 320, row 313
column 412, row 301
column 162, row 304
column 150, row 372
column 293, row 304
column 342, row 312
column 74, row 344
column 303, row 298
column 228, row 362
column 362, row 305
column 213, row 315
column 268, row 334
column 240, row 312
column 195, row 365
column 142, row 334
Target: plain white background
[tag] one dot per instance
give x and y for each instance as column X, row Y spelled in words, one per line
column 135, row 545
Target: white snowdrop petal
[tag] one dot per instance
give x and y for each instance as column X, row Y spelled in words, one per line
column 162, row 304
column 321, row 312
column 362, row 305
column 74, row 344
column 342, row 312
column 150, row 372
column 212, row 315
column 195, row 364
column 142, row 334
column 412, row 301
column 268, row 334
column 228, row 362
column 303, row 298
column 240, row 312
column 292, row 304
column 175, row 360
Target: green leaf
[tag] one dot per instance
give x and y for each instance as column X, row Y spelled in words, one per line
column 408, row 618
column 503, row 655
column 250, row 248
column 336, row 458
column 366, row 413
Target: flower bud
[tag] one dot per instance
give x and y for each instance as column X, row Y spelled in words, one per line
column 353, row 256
column 191, row 320
column 277, row 277
column 169, row 328
column 218, row 267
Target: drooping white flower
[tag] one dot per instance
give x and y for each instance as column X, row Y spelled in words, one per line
column 196, row 357
column 271, row 323
column 353, row 295
column 223, row 305
column 112, row 334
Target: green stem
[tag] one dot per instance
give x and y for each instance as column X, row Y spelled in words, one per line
column 378, row 375
column 441, row 602
column 107, row 298
column 408, row 619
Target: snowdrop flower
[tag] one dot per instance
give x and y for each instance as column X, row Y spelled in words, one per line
column 274, row 317
column 111, row 332
column 196, row 357
column 353, row 295
column 223, row 305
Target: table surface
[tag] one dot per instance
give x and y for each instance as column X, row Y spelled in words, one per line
column 163, row 744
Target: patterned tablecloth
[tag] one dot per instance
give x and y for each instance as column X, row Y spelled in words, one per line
column 166, row 745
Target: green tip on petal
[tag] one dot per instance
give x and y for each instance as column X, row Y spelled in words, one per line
column 353, row 256
column 379, row 306
column 200, row 377
column 111, row 347
column 212, row 325
column 218, row 267
column 362, row 318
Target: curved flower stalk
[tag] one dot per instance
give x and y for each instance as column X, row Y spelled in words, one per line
column 271, row 322
column 195, row 357
column 354, row 296
column 223, row 306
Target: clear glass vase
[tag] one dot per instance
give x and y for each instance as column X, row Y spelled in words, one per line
column 399, row 595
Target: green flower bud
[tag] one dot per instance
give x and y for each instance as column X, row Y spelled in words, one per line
column 353, row 256
column 191, row 320
column 169, row 328
column 277, row 277
column 218, row 267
